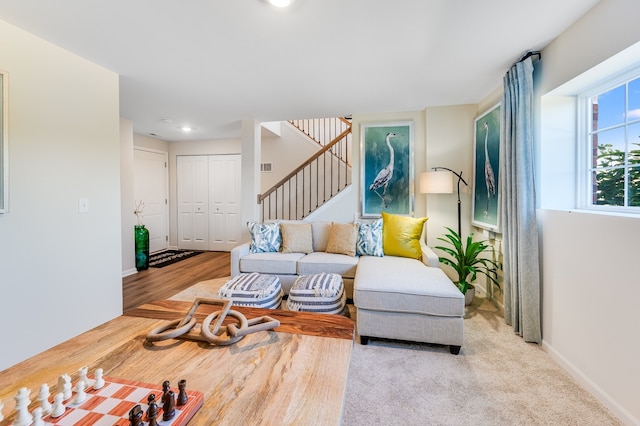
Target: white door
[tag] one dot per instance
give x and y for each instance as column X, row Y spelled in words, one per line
column 150, row 185
column 224, row 202
column 193, row 202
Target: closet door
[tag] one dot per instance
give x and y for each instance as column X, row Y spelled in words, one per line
column 193, row 202
column 224, row 202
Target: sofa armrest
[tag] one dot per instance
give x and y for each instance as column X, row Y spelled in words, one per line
column 237, row 253
column 429, row 257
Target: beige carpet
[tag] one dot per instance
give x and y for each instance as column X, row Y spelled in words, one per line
column 497, row 379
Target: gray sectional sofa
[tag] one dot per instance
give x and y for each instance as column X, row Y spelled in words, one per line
column 395, row 297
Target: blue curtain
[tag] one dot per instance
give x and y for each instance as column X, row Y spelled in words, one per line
column 518, row 204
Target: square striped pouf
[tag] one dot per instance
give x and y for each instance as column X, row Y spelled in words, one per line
column 321, row 293
column 253, row 290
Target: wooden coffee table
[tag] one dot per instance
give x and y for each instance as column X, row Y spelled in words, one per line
column 294, row 374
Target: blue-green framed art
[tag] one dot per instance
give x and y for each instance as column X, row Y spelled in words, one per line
column 486, row 194
column 386, row 179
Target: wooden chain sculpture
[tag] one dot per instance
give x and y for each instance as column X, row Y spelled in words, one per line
column 220, row 334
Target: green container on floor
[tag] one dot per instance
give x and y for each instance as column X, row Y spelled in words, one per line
column 142, row 247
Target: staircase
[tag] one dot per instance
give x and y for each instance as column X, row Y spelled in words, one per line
column 319, row 178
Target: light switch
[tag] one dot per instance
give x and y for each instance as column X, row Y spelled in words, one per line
column 83, row 205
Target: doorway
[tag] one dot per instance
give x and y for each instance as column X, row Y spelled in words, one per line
column 209, row 194
column 150, row 185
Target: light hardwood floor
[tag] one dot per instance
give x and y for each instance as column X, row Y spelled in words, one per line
column 161, row 283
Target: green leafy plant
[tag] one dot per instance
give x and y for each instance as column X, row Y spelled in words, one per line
column 466, row 260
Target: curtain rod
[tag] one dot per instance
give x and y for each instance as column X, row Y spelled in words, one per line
column 529, row 54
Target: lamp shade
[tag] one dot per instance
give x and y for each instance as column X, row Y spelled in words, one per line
column 438, row 182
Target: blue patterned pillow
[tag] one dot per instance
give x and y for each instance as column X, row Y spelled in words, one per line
column 265, row 237
column 370, row 239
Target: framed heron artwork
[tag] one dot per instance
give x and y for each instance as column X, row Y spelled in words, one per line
column 486, row 195
column 386, row 163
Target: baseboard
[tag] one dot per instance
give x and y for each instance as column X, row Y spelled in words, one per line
column 129, row 272
column 624, row 415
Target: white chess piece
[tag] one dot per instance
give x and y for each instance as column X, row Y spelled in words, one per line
column 82, row 375
column 58, row 408
column 37, row 417
column 99, row 383
column 64, row 386
column 43, row 397
column 24, row 417
column 1, row 407
column 81, row 395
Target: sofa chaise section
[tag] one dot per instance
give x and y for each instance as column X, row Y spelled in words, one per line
column 402, row 298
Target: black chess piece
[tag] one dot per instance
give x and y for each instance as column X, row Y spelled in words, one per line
column 182, row 395
column 168, row 405
column 152, row 410
column 135, row 416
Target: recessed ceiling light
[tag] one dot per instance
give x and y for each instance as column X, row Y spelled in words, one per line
column 186, row 129
column 280, row 3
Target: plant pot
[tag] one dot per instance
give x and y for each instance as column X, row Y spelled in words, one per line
column 468, row 296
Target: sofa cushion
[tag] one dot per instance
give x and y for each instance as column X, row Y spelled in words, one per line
column 270, row 263
column 317, row 262
column 265, row 237
column 320, row 231
column 401, row 235
column 419, row 289
column 296, row 237
column 342, row 238
column 370, row 239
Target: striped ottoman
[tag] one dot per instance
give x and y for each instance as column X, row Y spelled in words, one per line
column 254, row 290
column 322, row 293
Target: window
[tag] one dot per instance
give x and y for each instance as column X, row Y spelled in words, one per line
column 613, row 154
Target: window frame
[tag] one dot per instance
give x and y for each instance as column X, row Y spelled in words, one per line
column 584, row 149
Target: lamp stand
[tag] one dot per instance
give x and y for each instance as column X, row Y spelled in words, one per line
column 460, row 179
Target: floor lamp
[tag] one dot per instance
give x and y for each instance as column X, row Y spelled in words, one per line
column 441, row 182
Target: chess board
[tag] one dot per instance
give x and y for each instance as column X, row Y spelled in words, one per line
column 111, row 404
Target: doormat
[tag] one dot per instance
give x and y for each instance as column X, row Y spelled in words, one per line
column 168, row 257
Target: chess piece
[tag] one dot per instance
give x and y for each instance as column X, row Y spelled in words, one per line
column 24, row 417
column 81, row 395
column 82, row 376
column 152, row 410
column 43, row 397
column 168, row 406
column 99, row 383
column 182, row 394
column 1, row 407
column 64, row 386
column 37, row 417
column 135, row 416
column 58, row 407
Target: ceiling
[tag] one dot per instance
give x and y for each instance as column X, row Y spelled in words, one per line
column 211, row 63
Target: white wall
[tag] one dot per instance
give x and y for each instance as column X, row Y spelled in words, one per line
column 588, row 260
column 126, row 197
column 450, row 144
column 60, row 271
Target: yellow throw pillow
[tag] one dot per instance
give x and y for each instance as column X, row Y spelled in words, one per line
column 401, row 235
column 343, row 238
column 296, row 237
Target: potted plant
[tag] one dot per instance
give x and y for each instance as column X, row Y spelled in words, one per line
column 466, row 261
